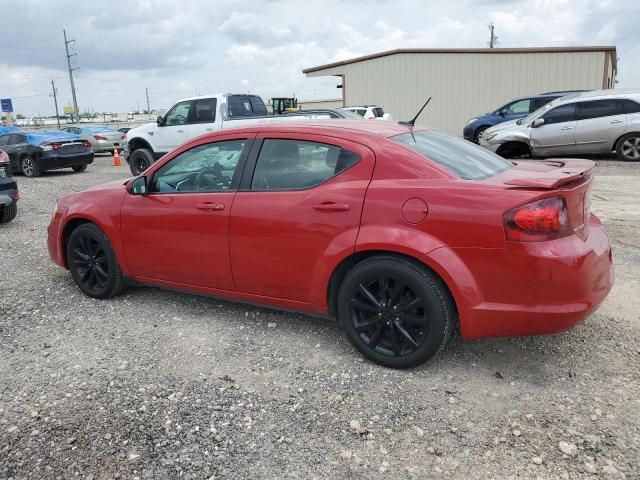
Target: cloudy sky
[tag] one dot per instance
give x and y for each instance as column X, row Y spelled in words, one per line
column 189, row 47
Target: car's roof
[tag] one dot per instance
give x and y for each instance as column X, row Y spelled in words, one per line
column 336, row 126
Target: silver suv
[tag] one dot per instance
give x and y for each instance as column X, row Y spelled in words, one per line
column 596, row 122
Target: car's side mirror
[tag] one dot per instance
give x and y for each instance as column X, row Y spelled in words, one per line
column 137, row 186
column 538, row 122
column 160, row 120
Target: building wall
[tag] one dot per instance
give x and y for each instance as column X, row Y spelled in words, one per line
column 463, row 85
column 312, row 104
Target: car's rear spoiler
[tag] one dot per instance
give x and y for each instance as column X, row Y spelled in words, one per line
column 567, row 171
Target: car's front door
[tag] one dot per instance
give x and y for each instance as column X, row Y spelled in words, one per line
column 14, row 146
column 600, row 122
column 174, row 130
column 557, row 135
column 178, row 232
column 297, row 207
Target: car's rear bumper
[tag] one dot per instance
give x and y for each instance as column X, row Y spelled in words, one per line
column 8, row 197
column 53, row 161
column 107, row 146
column 536, row 288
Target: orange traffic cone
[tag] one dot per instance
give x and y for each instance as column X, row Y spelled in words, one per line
column 116, row 158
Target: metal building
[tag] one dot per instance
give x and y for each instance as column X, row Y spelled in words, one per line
column 466, row 82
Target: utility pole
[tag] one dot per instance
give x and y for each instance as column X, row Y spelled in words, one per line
column 493, row 41
column 55, row 102
column 146, row 90
column 73, row 88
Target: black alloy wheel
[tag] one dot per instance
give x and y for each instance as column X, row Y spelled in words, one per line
column 92, row 262
column 394, row 311
column 30, row 167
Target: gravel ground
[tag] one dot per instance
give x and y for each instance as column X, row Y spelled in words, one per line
column 157, row 384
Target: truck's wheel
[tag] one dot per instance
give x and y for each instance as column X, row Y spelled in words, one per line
column 140, row 160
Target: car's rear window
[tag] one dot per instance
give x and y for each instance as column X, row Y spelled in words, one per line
column 463, row 158
column 246, row 106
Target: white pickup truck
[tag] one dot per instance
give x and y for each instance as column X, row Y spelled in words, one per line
column 189, row 118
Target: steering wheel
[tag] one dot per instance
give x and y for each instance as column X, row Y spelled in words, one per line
column 178, row 120
column 217, row 174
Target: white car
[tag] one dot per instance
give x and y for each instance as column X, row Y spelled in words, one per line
column 587, row 123
column 195, row 116
column 370, row 112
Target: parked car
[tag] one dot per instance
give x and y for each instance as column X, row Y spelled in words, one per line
column 401, row 233
column 513, row 110
column 588, row 123
column 36, row 152
column 102, row 139
column 369, row 112
column 8, row 191
column 191, row 117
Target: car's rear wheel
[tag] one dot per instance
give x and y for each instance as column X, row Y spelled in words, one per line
column 79, row 168
column 140, row 160
column 628, row 148
column 515, row 150
column 30, row 167
column 394, row 311
column 93, row 262
column 479, row 132
column 8, row 212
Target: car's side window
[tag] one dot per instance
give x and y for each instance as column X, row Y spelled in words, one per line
column 204, row 111
column 539, row 102
column 4, row 140
column 178, row 114
column 629, row 106
column 560, row 114
column 518, row 107
column 16, row 138
column 598, row 108
column 298, row 165
column 206, row 168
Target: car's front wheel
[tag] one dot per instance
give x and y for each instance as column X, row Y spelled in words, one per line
column 30, row 167
column 628, row 148
column 396, row 312
column 478, row 134
column 93, row 263
column 140, row 160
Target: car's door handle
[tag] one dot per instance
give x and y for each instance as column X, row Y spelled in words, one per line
column 566, row 128
column 616, row 121
column 180, row 131
column 332, row 207
column 209, row 129
column 210, row 206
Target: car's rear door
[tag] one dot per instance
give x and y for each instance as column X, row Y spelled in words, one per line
column 557, row 136
column 600, row 122
column 179, row 231
column 298, row 208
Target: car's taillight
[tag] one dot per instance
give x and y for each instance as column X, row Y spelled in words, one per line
column 51, row 146
column 4, row 158
column 99, row 137
column 545, row 219
column 86, row 143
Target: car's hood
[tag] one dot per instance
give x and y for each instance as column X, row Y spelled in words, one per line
column 141, row 129
column 113, row 185
column 503, row 126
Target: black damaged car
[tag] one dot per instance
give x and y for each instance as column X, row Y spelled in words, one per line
column 35, row 153
column 8, row 191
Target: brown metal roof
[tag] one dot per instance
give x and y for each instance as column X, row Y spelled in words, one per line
column 464, row 50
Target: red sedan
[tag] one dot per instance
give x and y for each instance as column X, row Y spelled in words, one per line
column 401, row 233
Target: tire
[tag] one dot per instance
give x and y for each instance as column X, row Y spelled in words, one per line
column 79, row 168
column 93, row 263
column 30, row 167
column 476, row 136
column 413, row 303
column 140, row 160
column 628, row 147
column 8, row 213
